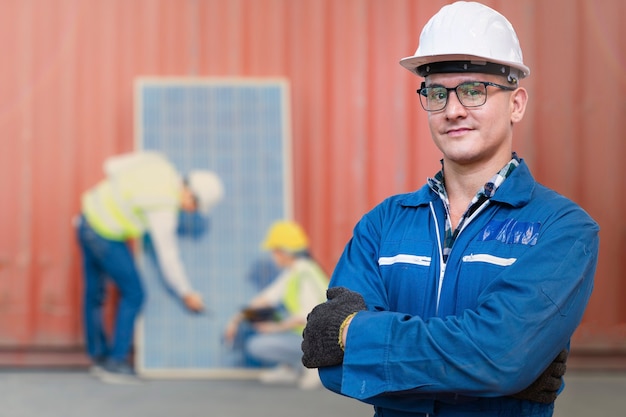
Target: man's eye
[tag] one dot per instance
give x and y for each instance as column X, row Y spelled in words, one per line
column 472, row 90
column 438, row 94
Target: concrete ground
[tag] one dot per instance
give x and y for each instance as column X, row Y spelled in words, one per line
column 77, row 394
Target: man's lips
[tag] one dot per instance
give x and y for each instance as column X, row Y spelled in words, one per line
column 457, row 131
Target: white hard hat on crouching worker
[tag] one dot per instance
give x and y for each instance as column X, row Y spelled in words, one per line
column 468, row 37
column 286, row 235
column 207, row 187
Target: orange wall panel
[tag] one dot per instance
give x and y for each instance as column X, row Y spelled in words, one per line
column 359, row 133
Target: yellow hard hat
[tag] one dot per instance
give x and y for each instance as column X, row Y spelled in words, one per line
column 286, row 235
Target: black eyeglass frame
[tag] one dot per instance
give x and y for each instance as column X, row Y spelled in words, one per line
column 423, row 93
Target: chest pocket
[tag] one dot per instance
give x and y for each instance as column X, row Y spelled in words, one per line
column 511, row 231
column 481, row 263
column 408, row 271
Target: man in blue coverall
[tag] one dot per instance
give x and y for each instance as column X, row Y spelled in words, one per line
column 455, row 299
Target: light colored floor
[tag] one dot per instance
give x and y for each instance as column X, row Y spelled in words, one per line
column 77, row 394
column 592, row 394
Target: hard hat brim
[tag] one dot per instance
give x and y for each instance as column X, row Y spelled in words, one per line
column 412, row 63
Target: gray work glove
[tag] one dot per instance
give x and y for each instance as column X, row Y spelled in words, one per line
column 320, row 344
column 546, row 387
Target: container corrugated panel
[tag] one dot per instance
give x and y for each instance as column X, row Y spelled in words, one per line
column 359, row 133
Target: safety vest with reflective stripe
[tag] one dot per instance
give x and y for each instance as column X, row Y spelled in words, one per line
column 306, row 271
column 115, row 207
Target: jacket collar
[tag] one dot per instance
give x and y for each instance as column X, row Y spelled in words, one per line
column 518, row 188
column 515, row 191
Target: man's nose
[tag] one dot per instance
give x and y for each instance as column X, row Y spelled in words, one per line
column 454, row 108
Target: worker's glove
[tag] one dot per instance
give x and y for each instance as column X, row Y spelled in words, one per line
column 546, row 387
column 320, row 345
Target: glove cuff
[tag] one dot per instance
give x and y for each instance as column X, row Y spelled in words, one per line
column 342, row 328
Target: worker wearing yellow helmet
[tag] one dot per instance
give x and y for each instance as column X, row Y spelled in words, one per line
column 286, row 236
column 141, row 193
column 278, row 313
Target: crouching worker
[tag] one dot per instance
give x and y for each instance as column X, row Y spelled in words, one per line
column 278, row 313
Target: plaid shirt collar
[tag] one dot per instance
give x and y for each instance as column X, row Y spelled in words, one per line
column 437, row 184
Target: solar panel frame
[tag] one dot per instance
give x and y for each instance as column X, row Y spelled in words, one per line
column 239, row 128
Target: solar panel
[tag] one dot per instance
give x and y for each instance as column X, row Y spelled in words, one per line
column 240, row 129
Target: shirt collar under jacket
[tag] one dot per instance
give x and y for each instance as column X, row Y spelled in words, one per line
column 516, row 191
column 437, row 183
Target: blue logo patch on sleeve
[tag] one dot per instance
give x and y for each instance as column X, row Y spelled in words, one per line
column 511, row 231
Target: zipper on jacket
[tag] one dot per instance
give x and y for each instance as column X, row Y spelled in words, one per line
column 403, row 258
column 490, row 259
column 442, row 265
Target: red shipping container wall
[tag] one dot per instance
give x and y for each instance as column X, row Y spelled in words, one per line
column 359, row 134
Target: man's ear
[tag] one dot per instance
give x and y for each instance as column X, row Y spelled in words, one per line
column 519, row 98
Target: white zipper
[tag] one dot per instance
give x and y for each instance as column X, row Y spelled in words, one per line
column 490, row 259
column 442, row 265
column 405, row 259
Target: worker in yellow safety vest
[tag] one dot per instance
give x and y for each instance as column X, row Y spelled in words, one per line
column 141, row 193
column 278, row 313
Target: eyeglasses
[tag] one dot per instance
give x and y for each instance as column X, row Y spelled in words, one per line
column 470, row 94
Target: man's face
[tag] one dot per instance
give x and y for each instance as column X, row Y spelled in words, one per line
column 188, row 201
column 281, row 258
column 475, row 135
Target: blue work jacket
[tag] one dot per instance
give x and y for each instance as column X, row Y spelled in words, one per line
column 456, row 339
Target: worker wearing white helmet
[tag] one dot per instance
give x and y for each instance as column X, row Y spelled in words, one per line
column 141, row 193
column 460, row 299
column 476, row 39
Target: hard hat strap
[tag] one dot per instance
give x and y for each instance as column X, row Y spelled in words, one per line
column 463, row 66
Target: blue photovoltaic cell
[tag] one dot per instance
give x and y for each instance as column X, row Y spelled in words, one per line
column 238, row 129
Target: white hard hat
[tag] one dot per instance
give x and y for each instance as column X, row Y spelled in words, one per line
column 468, row 37
column 207, row 187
